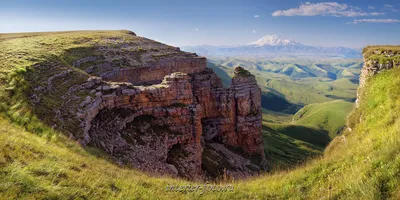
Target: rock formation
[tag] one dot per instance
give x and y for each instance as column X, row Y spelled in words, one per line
column 156, row 108
column 372, row 65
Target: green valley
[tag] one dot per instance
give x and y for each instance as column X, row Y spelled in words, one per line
column 362, row 163
column 305, row 102
column 199, row 100
column 299, row 81
column 329, row 116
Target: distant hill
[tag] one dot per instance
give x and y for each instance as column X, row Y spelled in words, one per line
column 269, row 99
column 273, row 45
column 296, row 68
column 363, row 163
column 328, row 116
column 298, row 81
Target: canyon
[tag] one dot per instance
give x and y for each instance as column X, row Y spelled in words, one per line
column 82, row 111
column 152, row 107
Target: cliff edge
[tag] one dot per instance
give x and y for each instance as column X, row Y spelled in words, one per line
column 148, row 105
column 377, row 59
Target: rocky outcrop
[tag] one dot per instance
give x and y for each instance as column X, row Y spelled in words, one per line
column 159, row 128
column 373, row 64
column 232, row 116
column 154, row 107
column 155, row 72
column 155, row 128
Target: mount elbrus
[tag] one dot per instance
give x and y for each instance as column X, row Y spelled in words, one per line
column 148, row 105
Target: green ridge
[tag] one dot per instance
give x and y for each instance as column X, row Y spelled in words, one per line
column 39, row 163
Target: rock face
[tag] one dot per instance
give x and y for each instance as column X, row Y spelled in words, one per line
column 152, row 107
column 373, row 66
column 156, row 127
column 165, row 128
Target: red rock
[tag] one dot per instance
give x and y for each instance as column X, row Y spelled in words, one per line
column 165, row 126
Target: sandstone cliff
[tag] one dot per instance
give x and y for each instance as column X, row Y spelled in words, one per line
column 150, row 106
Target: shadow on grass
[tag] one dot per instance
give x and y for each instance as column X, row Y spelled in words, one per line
column 290, row 146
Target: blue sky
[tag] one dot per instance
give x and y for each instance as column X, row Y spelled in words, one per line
column 351, row 23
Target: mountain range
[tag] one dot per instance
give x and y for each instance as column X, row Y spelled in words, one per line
column 272, row 46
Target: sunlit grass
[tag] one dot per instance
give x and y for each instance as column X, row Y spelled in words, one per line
column 37, row 162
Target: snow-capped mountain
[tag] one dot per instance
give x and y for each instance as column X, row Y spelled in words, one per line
column 273, row 40
column 273, row 45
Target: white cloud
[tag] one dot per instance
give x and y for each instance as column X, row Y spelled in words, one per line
column 376, row 13
column 371, row 7
column 323, row 9
column 256, row 16
column 254, row 31
column 390, row 7
column 196, row 29
column 374, row 21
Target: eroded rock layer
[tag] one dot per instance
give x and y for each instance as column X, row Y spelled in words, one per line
column 159, row 128
column 152, row 106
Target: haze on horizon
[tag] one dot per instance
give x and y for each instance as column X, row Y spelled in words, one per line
column 354, row 23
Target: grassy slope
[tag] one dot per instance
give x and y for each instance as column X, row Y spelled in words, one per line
column 364, row 163
column 41, row 66
column 286, row 152
column 369, row 53
column 21, row 56
column 330, row 116
column 36, row 167
column 290, row 142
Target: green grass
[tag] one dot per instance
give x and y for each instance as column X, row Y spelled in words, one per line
column 304, row 133
column 383, row 59
column 369, row 50
column 361, row 164
column 46, row 62
column 241, row 72
column 286, row 152
column 299, row 81
column 329, row 116
column 38, row 163
column 33, row 167
column 379, row 53
column 293, row 139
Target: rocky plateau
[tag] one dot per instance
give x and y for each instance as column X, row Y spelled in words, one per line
column 152, row 107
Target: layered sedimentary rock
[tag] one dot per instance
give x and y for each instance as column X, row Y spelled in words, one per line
column 231, row 118
column 160, row 128
column 156, row 72
column 156, row 127
column 233, row 115
column 154, row 107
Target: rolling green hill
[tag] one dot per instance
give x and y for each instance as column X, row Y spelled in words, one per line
column 37, row 162
column 291, row 142
column 294, row 139
column 329, row 116
column 361, row 164
column 286, row 152
column 300, row 82
column 323, row 68
column 295, row 71
column 308, row 134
